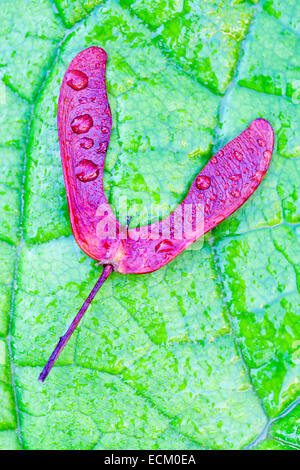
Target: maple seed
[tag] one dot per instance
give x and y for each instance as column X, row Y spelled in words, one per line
column 138, row 253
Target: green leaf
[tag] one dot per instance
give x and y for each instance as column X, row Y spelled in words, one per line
column 282, row 433
column 204, row 353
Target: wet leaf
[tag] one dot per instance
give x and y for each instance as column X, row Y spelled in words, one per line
column 203, row 353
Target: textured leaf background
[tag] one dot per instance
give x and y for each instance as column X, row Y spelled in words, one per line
column 204, row 353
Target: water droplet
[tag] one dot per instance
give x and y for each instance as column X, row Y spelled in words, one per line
column 82, row 100
column 203, row 182
column 86, row 171
column 258, row 176
column 267, row 155
column 220, row 153
column 219, row 218
column 235, row 177
column 82, row 124
column 97, row 65
column 164, row 246
column 104, row 129
column 238, row 155
column 102, row 147
column 236, row 193
column 214, row 160
column 77, row 80
column 86, row 143
column 261, row 142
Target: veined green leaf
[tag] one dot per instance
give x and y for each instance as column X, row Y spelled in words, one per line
column 204, row 353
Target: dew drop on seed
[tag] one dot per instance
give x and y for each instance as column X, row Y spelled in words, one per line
column 104, row 129
column 267, row 155
column 86, row 143
column 261, row 142
column 235, row 193
column 164, row 246
column 214, row 160
column 102, row 147
column 82, row 124
column 86, row 171
column 82, row 100
column 203, row 182
column 236, row 177
column 77, row 80
column 238, row 155
column 258, row 176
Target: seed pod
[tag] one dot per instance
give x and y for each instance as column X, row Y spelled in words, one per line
column 84, row 125
column 222, row 186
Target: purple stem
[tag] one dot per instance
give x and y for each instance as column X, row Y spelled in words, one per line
column 107, row 270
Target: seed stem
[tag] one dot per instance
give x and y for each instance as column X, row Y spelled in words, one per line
column 107, row 270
